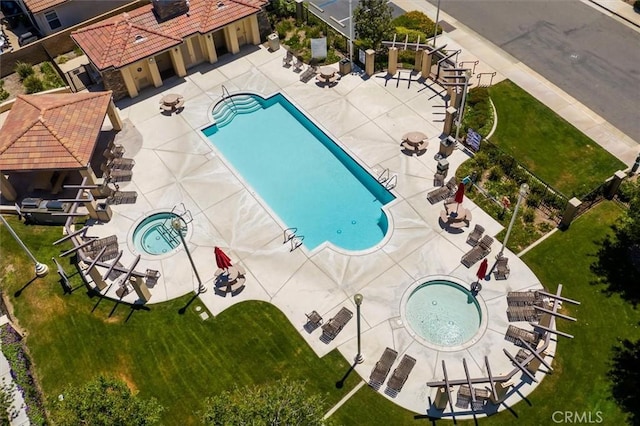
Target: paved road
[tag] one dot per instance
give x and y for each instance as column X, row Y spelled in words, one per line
column 587, row 54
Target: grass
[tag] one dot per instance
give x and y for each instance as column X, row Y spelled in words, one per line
column 179, row 359
column 547, row 144
column 580, row 380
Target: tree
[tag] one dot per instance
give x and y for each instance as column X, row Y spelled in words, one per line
column 372, row 19
column 629, row 228
column 280, row 403
column 104, row 401
column 625, row 376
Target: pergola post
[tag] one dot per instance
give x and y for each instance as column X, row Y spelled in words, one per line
column 393, row 60
column 8, row 191
column 114, row 117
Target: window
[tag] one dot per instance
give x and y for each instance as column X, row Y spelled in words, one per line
column 52, row 19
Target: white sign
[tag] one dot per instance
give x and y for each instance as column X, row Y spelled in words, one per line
column 319, row 48
column 361, row 56
column 473, row 139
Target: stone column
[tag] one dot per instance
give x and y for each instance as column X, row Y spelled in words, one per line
column 417, row 64
column 255, row 29
column 140, row 288
column 129, row 83
column 231, row 37
column 155, row 72
column 570, row 212
column 614, row 185
column 450, row 113
column 114, row 117
column 393, row 60
column 96, row 276
column 178, row 62
column 6, row 188
column 425, row 69
column 369, row 66
column 501, row 391
column 442, row 398
column 210, row 49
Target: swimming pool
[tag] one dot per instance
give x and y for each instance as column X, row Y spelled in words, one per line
column 308, row 181
column 445, row 314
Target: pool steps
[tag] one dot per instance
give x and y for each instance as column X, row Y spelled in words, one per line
column 224, row 112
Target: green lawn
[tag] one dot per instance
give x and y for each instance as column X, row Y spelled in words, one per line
column 547, row 144
column 580, row 382
column 179, row 359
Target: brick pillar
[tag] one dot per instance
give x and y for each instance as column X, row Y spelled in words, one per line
column 369, row 59
column 570, row 212
column 393, row 60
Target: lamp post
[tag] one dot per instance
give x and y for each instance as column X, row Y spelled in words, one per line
column 524, row 188
column 358, row 301
column 467, row 75
column 435, row 31
column 41, row 268
column 175, row 223
column 350, row 34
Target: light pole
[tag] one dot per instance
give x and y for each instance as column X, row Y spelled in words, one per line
column 358, row 301
column 350, row 34
column 524, row 188
column 435, row 31
column 175, row 223
column 41, row 268
column 464, row 101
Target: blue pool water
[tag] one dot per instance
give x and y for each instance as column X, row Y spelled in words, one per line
column 443, row 313
column 306, row 179
column 155, row 235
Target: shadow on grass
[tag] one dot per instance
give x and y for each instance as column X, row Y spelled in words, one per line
column 615, row 269
column 19, row 292
column 625, row 376
column 182, row 310
column 340, row 383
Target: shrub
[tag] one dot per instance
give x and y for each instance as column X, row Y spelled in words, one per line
column 482, row 159
column 534, row 199
column 24, row 70
column 416, row 21
column 3, row 93
column 313, row 32
column 414, row 35
column 283, row 27
column 33, row 84
column 495, row 174
column 78, row 51
column 62, row 59
column 636, row 6
column 528, row 215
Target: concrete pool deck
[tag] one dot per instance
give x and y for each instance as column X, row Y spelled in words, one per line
column 177, row 166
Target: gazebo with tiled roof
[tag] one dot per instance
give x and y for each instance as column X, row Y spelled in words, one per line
column 50, row 135
column 139, row 48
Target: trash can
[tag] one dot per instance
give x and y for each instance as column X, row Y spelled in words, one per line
column 274, row 42
column 447, row 146
column 345, row 66
column 443, row 167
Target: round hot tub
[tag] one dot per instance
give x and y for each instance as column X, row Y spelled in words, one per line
column 155, row 234
column 444, row 315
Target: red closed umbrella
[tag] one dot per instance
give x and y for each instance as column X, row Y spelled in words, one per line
column 459, row 197
column 222, row 260
column 482, row 270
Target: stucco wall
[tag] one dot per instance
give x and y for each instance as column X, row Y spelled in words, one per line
column 73, row 12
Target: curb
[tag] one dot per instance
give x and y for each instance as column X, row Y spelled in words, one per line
column 613, row 12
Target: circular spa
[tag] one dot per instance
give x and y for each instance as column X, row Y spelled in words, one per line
column 155, row 234
column 443, row 315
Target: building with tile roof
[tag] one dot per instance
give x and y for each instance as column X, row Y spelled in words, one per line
column 140, row 48
column 48, row 138
column 51, row 16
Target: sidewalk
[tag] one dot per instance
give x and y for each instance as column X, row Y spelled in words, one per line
column 493, row 59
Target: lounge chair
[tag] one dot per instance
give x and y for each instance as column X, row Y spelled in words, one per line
column 463, row 399
column 401, row 373
column 307, row 74
column 151, row 277
column 444, row 192
column 288, row 58
column 118, row 175
column 122, row 197
column 522, row 313
column 475, row 235
column 314, row 319
column 478, row 252
column 523, row 298
column 502, row 269
column 513, row 333
column 382, row 368
column 121, row 163
column 111, row 244
column 336, row 324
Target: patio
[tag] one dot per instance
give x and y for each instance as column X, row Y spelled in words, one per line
column 368, row 117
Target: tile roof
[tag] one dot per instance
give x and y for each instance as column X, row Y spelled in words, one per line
column 52, row 131
column 127, row 38
column 36, row 6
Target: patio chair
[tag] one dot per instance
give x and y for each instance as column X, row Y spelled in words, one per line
column 288, row 58
column 463, row 399
column 297, row 66
column 513, row 332
column 307, row 74
column 331, row 329
column 401, row 374
column 117, row 175
column 314, row 319
column 151, row 277
column 382, row 368
column 438, row 179
column 502, row 269
column 475, row 235
column 121, row 163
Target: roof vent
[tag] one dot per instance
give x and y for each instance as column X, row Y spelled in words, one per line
column 220, row 4
column 139, row 38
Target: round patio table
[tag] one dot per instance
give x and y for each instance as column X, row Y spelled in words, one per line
column 328, row 72
column 171, row 99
